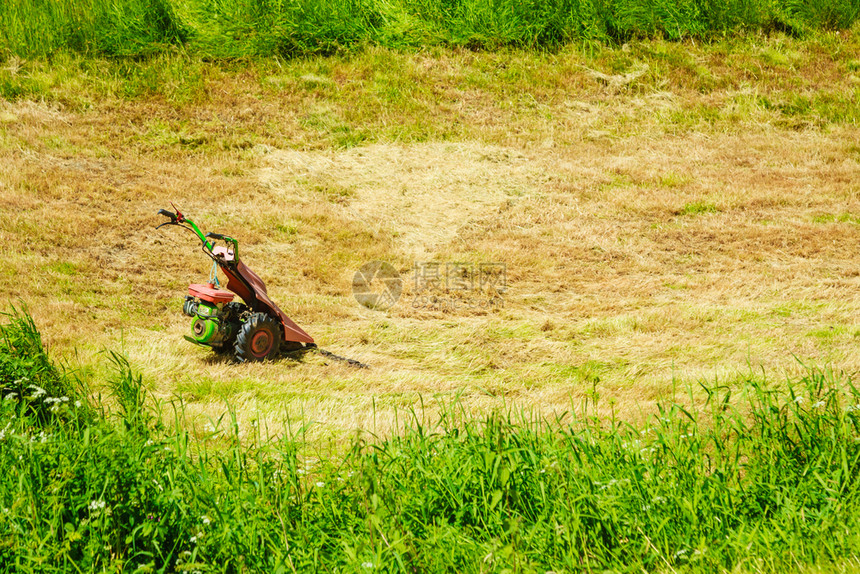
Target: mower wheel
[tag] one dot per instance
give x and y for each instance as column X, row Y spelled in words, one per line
column 258, row 338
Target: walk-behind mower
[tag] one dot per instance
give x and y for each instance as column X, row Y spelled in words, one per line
column 252, row 330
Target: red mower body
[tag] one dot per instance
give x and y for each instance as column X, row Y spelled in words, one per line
column 248, row 285
column 210, row 293
column 242, row 281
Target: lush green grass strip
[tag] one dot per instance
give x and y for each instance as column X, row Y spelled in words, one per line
column 764, row 479
column 237, row 28
column 110, row 27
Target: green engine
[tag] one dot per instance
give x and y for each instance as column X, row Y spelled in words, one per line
column 213, row 324
column 207, row 323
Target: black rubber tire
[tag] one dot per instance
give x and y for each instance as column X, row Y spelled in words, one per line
column 258, row 339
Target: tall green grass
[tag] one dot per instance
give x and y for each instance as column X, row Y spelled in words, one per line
column 108, row 27
column 25, row 368
column 236, row 28
column 762, row 479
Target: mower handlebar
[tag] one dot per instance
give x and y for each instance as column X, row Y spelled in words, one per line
column 178, row 219
column 227, row 239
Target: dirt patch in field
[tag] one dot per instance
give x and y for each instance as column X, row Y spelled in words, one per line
column 422, row 194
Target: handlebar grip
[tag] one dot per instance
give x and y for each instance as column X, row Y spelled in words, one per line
column 215, row 235
column 166, row 213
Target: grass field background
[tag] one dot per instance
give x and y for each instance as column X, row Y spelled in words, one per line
column 677, row 209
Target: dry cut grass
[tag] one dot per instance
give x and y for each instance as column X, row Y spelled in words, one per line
column 677, row 224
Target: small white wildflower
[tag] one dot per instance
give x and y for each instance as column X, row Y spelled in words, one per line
column 658, row 500
column 167, row 448
column 37, row 391
column 300, row 471
column 10, row 397
column 193, row 540
column 150, row 442
column 78, row 404
column 367, row 564
column 680, row 553
column 64, row 399
column 319, row 484
column 798, row 399
column 97, row 504
column 209, row 427
column 205, row 519
column 818, row 405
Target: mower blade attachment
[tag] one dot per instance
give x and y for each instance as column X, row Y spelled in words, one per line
column 193, row 340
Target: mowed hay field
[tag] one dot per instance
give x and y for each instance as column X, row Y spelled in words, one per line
column 667, row 213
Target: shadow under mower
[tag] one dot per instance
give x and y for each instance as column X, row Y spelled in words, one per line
column 252, row 330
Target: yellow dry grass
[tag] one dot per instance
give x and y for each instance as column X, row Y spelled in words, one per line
column 646, row 248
